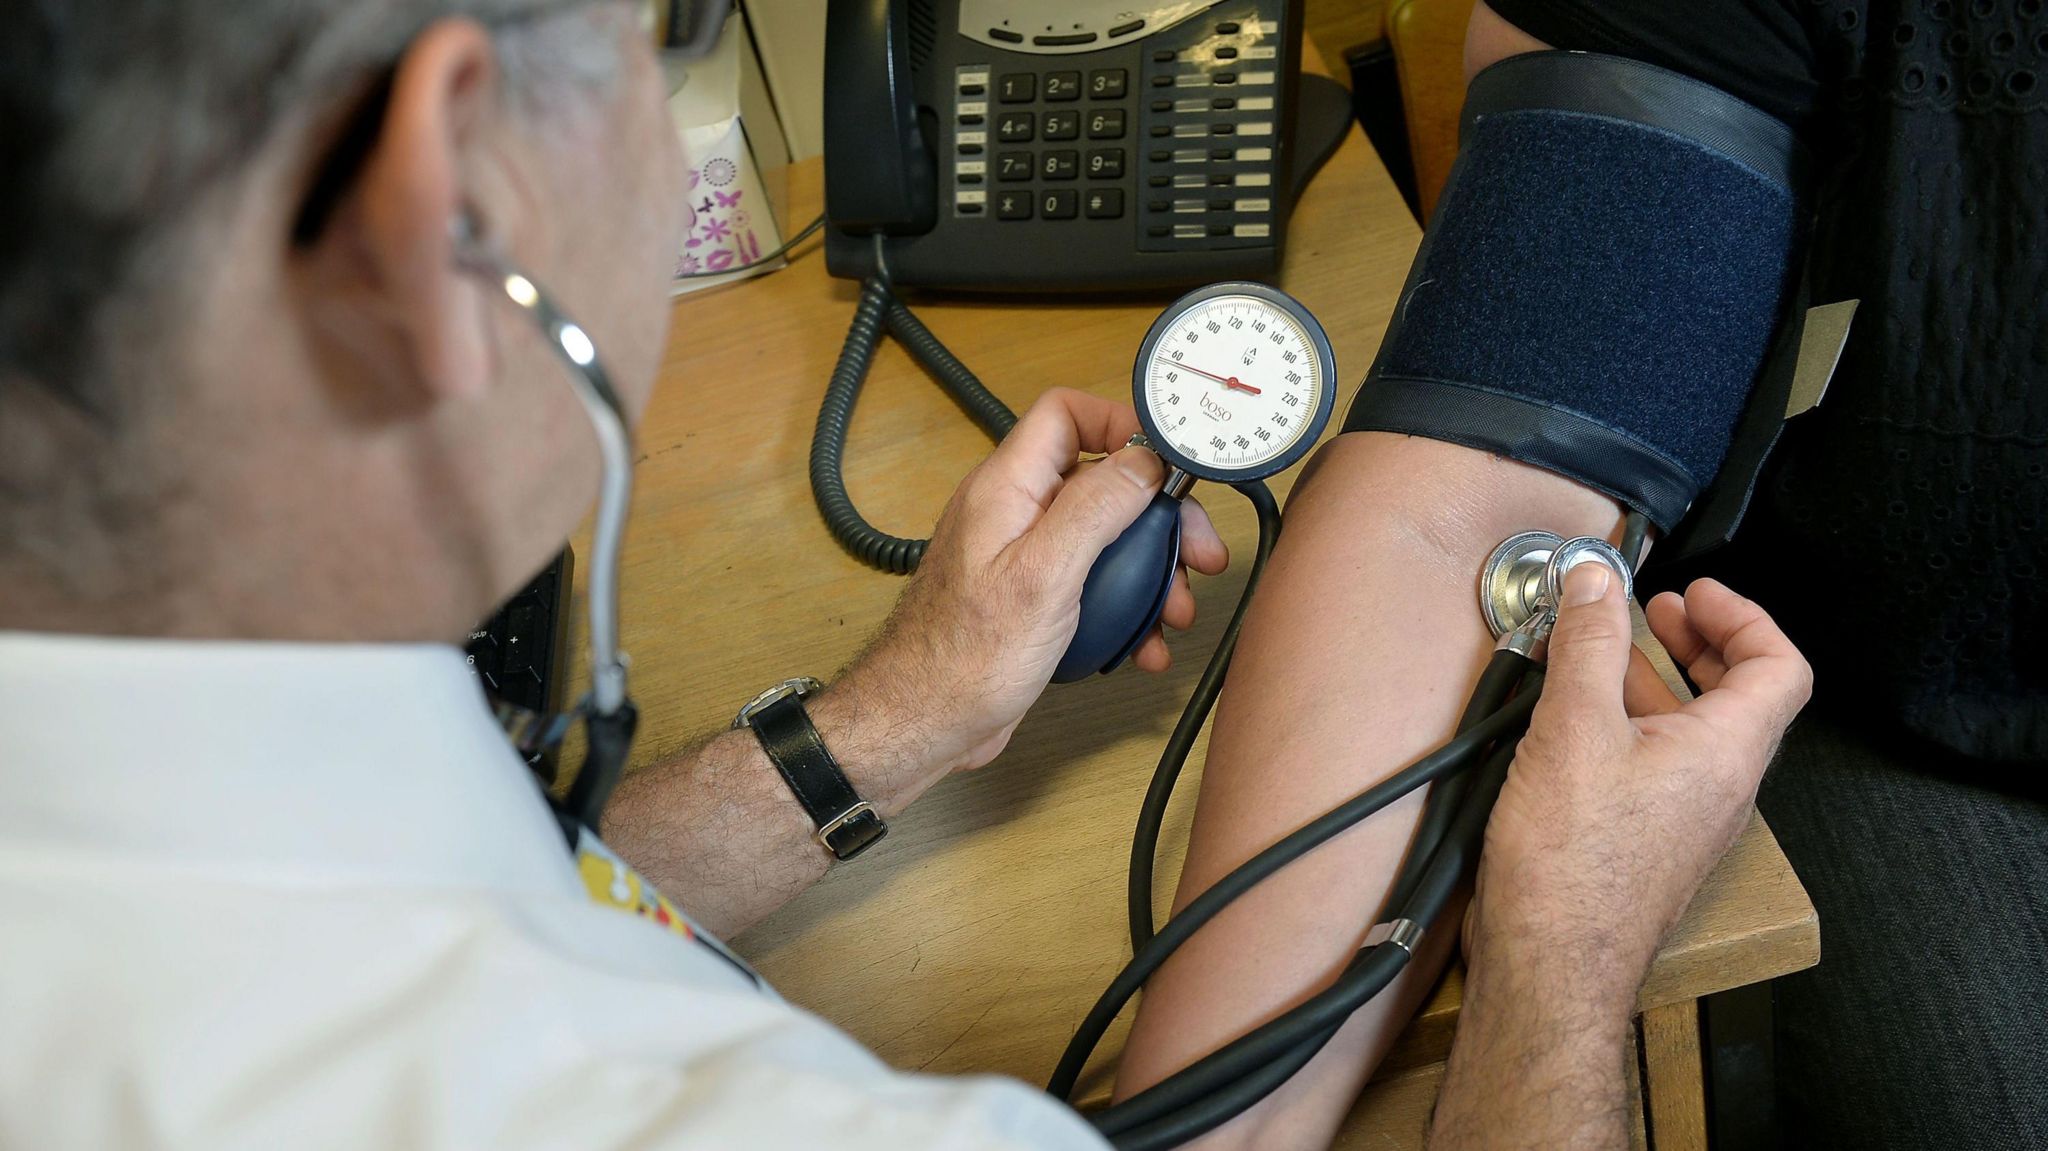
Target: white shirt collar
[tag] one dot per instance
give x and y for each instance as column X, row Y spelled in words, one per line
column 318, row 763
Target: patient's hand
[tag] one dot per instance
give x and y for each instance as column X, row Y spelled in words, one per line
column 1621, row 797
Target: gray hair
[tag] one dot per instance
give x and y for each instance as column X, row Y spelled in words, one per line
column 118, row 119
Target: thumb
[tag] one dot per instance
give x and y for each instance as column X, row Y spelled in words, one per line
column 1589, row 646
column 1093, row 507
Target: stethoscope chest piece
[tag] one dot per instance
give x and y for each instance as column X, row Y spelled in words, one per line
column 1525, row 575
column 1511, row 585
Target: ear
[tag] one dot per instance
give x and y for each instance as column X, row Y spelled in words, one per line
column 412, row 190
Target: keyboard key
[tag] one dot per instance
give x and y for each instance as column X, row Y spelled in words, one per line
column 482, row 651
column 1065, row 40
column 1006, row 36
column 1059, row 164
column 1063, row 85
column 1013, row 166
column 1059, row 203
column 1105, row 124
column 1017, row 87
column 1107, row 83
column 1015, row 127
column 1062, row 125
column 1127, row 29
column 1227, row 28
column 1105, row 163
column 1105, row 203
column 1013, row 205
column 522, row 638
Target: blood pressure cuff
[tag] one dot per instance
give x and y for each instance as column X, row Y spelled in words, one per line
column 1599, row 288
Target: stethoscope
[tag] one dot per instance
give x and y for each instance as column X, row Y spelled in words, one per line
column 1126, row 589
column 608, row 713
column 1233, row 384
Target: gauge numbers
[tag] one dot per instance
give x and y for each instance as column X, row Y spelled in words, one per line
column 1234, row 382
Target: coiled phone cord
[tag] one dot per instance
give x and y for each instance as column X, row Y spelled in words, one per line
column 879, row 307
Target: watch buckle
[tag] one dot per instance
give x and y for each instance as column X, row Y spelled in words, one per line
column 802, row 687
column 844, row 818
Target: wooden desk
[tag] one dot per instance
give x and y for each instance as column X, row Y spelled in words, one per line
column 976, row 936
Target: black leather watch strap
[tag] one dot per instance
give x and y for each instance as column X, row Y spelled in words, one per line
column 847, row 824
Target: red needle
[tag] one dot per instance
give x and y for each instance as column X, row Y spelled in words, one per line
column 1226, row 381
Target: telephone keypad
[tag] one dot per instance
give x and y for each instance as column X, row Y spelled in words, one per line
column 1202, row 99
column 1014, row 127
column 1106, row 124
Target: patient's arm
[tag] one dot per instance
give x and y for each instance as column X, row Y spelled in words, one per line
column 1356, row 658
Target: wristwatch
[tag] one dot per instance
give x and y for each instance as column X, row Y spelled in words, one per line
column 847, row 824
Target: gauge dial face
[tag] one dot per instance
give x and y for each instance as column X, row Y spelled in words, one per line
column 1234, row 383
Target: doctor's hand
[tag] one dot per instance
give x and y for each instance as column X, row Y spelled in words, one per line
column 974, row 639
column 1621, row 797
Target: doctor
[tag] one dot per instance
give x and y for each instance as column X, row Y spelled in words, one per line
column 269, row 873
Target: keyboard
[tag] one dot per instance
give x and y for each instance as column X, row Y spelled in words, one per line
column 519, row 653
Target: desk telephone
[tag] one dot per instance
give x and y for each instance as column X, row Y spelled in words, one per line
column 1063, row 145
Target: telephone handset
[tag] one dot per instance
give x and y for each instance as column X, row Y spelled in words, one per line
column 1063, row 145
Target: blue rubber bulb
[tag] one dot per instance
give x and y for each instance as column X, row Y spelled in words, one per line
column 1125, row 592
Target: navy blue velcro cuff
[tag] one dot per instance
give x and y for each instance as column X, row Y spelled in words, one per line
column 1599, row 288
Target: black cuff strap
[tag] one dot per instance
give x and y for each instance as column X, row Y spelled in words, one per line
column 1555, row 439
column 847, row 824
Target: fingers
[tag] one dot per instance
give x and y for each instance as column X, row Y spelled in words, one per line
column 1689, row 649
column 1766, row 679
column 1062, row 424
column 1152, row 655
column 1643, row 691
column 1589, row 649
column 1179, row 613
column 1093, row 507
column 1200, row 547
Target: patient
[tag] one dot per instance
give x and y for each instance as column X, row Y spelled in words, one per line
column 1898, row 535
column 1329, row 693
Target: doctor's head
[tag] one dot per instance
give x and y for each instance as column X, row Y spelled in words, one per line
column 244, row 387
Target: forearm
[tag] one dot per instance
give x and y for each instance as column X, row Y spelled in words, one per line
column 718, row 830
column 1356, row 658
column 1540, row 1058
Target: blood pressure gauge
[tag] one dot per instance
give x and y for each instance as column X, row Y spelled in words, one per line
column 1233, row 383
